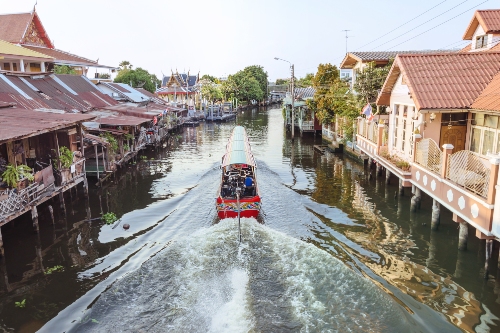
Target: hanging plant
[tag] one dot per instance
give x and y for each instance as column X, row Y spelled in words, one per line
column 13, row 174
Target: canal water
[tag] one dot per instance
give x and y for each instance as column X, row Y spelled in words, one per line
column 333, row 251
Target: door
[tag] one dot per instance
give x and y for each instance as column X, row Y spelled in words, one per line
column 454, row 135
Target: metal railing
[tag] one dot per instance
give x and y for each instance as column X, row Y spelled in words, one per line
column 429, row 155
column 469, row 171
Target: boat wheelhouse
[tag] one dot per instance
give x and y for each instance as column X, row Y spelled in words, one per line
column 238, row 190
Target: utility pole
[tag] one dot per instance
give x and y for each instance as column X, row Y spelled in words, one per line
column 293, row 101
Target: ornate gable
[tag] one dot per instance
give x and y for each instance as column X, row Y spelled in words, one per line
column 35, row 34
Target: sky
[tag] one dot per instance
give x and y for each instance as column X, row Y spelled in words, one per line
column 221, row 37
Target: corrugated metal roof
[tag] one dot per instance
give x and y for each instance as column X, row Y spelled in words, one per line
column 117, row 119
column 21, row 123
column 443, row 81
column 126, row 91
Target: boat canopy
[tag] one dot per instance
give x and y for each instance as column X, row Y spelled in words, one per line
column 238, row 149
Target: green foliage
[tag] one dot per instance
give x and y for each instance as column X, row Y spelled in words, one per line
column 126, row 147
column 104, row 75
column 324, row 103
column 137, row 77
column 129, row 136
column 282, row 81
column 21, row 304
column 64, row 69
column 95, row 321
column 258, row 73
column 143, row 157
column 65, row 156
column 211, row 91
column 13, row 174
column 112, row 141
column 210, row 78
column 125, row 65
column 305, row 81
column 109, row 218
column 57, row 268
column 370, row 80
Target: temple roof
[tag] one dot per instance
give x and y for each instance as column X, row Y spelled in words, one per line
column 24, row 28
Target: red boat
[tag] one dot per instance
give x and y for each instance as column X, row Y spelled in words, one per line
column 238, row 190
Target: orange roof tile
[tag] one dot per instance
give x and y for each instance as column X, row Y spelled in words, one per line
column 13, row 26
column 489, row 20
column 489, row 99
column 443, row 81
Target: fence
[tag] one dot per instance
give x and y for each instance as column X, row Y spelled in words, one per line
column 469, row 171
column 429, row 155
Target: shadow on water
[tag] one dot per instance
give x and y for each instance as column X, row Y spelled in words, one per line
column 333, row 250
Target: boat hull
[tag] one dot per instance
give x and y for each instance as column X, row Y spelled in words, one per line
column 228, row 208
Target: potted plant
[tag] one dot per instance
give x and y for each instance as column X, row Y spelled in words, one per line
column 66, row 160
column 17, row 176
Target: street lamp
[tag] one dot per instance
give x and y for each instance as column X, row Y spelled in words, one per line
column 293, row 94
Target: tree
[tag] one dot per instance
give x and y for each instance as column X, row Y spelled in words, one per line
column 370, row 80
column 280, row 82
column 210, row 90
column 324, row 103
column 258, row 73
column 305, row 81
column 64, row 69
column 137, row 77
column 243, row 86
column 210, row 78
column 125, row 65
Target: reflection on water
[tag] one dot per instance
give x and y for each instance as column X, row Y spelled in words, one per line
column 333, row 248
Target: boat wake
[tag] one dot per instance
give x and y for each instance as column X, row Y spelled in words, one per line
column 270, row 283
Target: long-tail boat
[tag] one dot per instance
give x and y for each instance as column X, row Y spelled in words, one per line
column 238, row 191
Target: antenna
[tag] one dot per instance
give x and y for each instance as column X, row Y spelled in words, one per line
column 346, row 36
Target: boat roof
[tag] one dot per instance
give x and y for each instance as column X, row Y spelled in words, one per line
column 238, row 149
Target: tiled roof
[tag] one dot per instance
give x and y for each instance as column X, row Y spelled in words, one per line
column 489, row 19
column 13, row 26
column 489, row 99
column 443, row 81
column 352, row 58
column 11, row 49
column 62, row 56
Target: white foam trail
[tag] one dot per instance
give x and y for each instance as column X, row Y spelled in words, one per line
column 233, row 317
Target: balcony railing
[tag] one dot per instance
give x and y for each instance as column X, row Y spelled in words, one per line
column 469, row 171
column 429, row 155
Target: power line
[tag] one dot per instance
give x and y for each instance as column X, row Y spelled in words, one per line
column 413, row 19
column 418, row 26
column 438, row 25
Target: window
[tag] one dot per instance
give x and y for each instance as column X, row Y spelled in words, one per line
column 396, row 134
column 6, row 66
column 481, row 41
column 485, row 134
column 487, row 146
column 475, row 139
column 404, row 135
